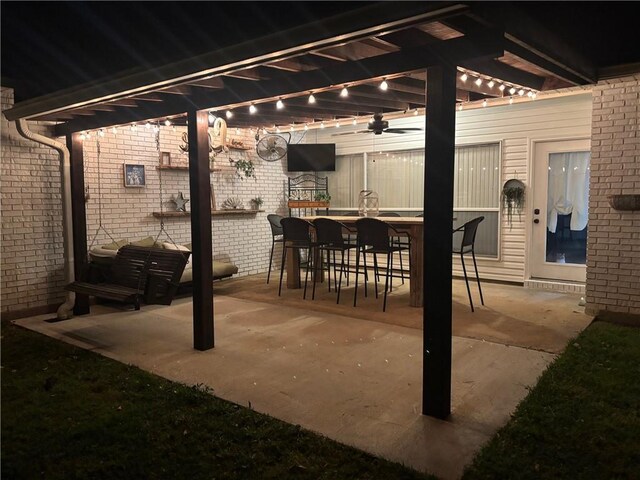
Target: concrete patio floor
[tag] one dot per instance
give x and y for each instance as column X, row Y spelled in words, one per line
column 354, row 380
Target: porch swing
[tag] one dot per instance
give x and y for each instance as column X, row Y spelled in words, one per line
column 138, row 273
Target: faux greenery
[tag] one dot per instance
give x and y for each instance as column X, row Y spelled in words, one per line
column 257, row 201
column 322, row 197
column 513, row 197
column 70, row 413
column 580, row 421
column 245, row 169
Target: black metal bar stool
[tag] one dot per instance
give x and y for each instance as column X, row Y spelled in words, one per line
column 467, row 245
column 297, row 235
column 276, row 236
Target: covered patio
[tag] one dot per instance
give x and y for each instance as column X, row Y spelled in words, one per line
column 354, row 380
column 423, row 54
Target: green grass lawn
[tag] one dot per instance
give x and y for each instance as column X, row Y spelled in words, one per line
column 582, row 420
column 69, row 413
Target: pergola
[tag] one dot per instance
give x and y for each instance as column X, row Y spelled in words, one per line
column 420, row 49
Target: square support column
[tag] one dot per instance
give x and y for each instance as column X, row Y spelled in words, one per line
column 201, row 238
column 438, row 227
column 78, row 217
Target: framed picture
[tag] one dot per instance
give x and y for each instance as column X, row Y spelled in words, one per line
column 165, row 158
column 134, row 175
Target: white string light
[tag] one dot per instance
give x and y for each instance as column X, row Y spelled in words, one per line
column 114, row 130
column 464, row 77
column 344, row 92
column 484, row 102
column 312, row 99
column 229, row 114
column 384, row 85
column 478, row 81
column 491, row 83
column 134, row 127
column 252, row 109
column 212, row 118
column 321, row 124
column 279, row 104
column 167, row 122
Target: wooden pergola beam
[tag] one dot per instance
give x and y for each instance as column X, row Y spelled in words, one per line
column 487, row 44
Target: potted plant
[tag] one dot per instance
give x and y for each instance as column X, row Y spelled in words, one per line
column 245, row 169
column 322, row 197
column 319, row 200
column 513, row 196
column 257, row 202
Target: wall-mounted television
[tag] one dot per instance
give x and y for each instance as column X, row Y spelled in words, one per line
column 311, row 157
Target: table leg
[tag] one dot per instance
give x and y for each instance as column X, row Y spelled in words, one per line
column 415, row 284
column 293, row 268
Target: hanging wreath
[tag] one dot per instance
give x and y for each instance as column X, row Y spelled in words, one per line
column 513, row 197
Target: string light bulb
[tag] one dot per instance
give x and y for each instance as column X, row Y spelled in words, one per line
column 306, row 126
column 312, row 99
column 355, row 121
column 491, row 83
column 252, row 109
column 510, row 100
column 484, row 102
column 212, row 118
column 464, row 77
column 337, row 123
column 415, row 112
column 501, row 87
column 460, row 107
column 478, row 81
column 384, row 86
column 83, row 136
column 167, row 123
column 533, row 95
column 147, row 125
column 134, row 127
column 279, row 104
column 156, row 128
column 512, row 90
column 344, row 92
column 114, row 130
column 321, row 124
column 521, row 92
column 229, row 114
column 101, row 132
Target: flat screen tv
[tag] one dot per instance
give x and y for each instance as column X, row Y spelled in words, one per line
column 311, row 157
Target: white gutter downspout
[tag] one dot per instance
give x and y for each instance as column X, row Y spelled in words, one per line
column 65, row 311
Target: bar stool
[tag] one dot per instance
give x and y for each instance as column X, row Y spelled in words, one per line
column 297, row 235
column 373, row 237
column 331, row 239
column 403, row 240
column 276, row 236
column 467, row 245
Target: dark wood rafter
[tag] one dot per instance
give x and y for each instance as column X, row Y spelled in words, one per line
column 373, row 92
column 488, row 44
column 78, row 217
column 438, row 224
column 201, row 237
column 529, row 40
column 330, row 99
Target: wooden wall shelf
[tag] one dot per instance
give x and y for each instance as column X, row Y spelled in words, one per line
column 214, row 213
column 182, row 167
column 307, row 204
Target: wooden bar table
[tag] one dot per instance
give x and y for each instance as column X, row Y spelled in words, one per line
column 412, row 226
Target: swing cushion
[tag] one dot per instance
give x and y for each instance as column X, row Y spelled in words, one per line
column 116, row 245
column 145, row 242
column 171, row 246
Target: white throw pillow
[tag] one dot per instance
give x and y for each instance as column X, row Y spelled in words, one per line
column 171, row 246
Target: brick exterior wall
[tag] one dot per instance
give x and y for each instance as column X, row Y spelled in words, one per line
column 32, row 263
column 32, row 245
column 613, row 258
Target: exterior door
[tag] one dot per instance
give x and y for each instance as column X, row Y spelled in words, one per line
column 560, row 210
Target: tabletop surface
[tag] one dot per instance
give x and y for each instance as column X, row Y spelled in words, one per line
column 353, row 219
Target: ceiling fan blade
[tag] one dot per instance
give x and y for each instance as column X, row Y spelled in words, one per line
column 401, row 130
column 281, row 151
column 350, row 133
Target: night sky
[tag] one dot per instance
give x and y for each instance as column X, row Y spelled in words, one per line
column 47, row 46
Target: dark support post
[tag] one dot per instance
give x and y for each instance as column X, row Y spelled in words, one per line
column 78, row 217
column 438, row 226
column 201, row 239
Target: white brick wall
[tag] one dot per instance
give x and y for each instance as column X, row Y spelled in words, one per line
column 613, row 260
column 32, row 244
column 32, row 249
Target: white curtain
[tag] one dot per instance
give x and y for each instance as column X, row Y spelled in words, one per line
column 568, row 191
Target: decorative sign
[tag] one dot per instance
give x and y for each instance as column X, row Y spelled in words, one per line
column 134, row 175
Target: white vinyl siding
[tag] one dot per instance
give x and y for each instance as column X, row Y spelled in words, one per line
column 514, row 127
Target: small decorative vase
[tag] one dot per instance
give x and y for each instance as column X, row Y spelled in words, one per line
column 368, row 204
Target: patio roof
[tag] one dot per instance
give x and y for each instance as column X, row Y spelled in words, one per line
column 389, row 40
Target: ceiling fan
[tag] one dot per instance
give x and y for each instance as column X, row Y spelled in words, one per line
column 378, row 126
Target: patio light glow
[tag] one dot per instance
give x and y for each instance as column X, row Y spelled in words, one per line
column 312, row 99
column 147, row 125
column 512, row 90
column 306, row 126
column 252, row 109
column 415, row 112
column 464, row 77
column 134, row 127
column 167, row 123
column 279, row 104
column 521, row 92
column 478, row 82
column 229, row 114
column 337, row 123
column 484, row 102
column 510, row 100
column 501, row 88
column 114, row 130
column 212, row 118
column 344, row 92
column 355, row 121
column 491, row 83
column 321, row 124
column 101, row 132
column 384, row 85
column 460, row 107
column 83, row 136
